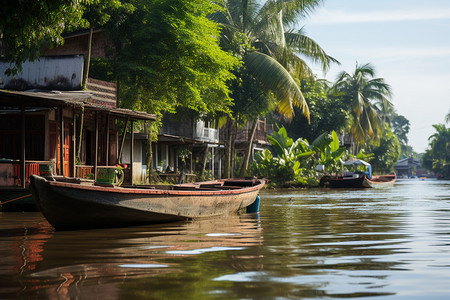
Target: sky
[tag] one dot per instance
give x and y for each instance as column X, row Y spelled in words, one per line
column 408, row 43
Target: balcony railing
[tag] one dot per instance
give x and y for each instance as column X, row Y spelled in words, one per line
column 206, row 134
column 84, row 171
column 262, row 131
column 10, row 172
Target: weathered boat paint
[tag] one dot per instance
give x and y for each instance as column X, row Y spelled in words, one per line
column 362, row 181
column 69, row 205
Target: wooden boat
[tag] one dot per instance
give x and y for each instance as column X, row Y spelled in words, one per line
column 379, row 181
column 358, row 179
column 361, row 181
column 342, row 181
column 71, row 204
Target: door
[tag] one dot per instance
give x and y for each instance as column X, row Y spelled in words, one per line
column 68, row 149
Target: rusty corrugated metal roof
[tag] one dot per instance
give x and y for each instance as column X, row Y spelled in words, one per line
column 66, row 98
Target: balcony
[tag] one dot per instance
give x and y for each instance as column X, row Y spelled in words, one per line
column 262, row 131
column 206, row 134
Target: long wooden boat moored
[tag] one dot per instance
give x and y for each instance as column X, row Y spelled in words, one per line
column 359, row 179
column 379, row 181
column 71, row 204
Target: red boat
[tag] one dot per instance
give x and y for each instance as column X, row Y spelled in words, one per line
column 73, row 204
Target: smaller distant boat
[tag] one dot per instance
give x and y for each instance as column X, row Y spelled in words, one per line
column 360, row 179
column 380, row 181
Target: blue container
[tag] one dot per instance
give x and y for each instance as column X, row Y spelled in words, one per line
column 254, row 207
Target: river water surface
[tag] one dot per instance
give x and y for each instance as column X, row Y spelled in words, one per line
column 309, row 243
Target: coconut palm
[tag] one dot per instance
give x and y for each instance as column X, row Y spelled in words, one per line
column 368, row 98
column 439, row 151
column 262, row 34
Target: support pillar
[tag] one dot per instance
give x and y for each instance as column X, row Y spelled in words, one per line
column 132, row 151
column 22, row 148
column 96, row 146
column 61, row 141
column 122, row 142
column 74, row 144
column 107, row 140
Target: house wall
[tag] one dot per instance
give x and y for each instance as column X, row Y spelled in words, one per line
column 139, row 167
column 49, row 73
column 79, row 44
column 163, row 157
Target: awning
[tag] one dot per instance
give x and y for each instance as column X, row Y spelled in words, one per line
column 356, row 162
column 174, row 139
column 34, row 99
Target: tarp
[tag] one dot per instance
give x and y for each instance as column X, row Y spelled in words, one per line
column 355, row 162
column 359, row 162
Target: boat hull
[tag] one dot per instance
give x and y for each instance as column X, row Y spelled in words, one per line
column 345, row 182
column 69, row 206
column 380, row 181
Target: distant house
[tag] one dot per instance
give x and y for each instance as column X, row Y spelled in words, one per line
column 260, row 141
column 406, row 167
column 241, row 138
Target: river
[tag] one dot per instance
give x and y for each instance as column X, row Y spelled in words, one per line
column 304, row 243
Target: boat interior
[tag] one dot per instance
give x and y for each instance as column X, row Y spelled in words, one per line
column 224, row 184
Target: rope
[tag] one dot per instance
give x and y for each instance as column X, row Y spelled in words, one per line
column 1, row 203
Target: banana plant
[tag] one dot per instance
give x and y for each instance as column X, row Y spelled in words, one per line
column 286, row 149
column 288, row 155
column 328, row 151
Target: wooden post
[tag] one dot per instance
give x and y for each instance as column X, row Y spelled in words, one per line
column 212, row 162
column 220, row 164
column 74, row 143
column 190, row 167
column 132, row 151
column 61, row 141
column 96, row 146
column 22, row 149
column 107, row 140
column 123, row 141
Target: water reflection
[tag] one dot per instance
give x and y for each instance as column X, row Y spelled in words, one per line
column 313, row 243
column 83, row 263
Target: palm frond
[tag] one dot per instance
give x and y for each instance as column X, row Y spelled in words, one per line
column 278, row 80
column 306, row 46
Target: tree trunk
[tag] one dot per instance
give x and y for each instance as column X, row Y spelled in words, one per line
column 149, row 152
column 88, row 59
column 205, row 158
column 80, row 136
column 247, row 154
column 233, row 148
column 228, row 151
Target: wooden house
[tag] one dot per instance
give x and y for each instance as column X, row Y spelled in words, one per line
column 46, row 120
column 189, row 143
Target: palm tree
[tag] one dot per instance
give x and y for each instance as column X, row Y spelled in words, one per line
column 440, row 150
column 260, row 34
column 272, row 56
column 447, row 118
column 368, row 98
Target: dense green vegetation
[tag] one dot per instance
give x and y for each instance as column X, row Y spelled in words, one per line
column 236, row 61
column 293, row 163
column 437, row 156
column 28, row 25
